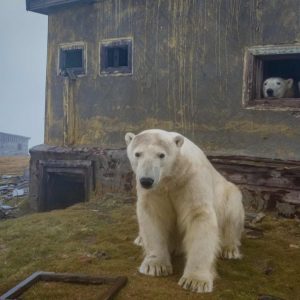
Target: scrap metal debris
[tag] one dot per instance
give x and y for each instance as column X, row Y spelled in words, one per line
column 252, row 218
column 12, row 187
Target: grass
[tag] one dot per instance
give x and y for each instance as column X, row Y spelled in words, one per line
column 13, row 165
column 96, row 239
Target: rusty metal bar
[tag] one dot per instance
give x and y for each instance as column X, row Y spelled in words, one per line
column 116, row 282
column 21, row 287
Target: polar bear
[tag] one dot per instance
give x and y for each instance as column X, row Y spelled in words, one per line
column 183, row 203
column 277, row 87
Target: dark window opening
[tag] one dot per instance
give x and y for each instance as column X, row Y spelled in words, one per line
column 64, row 190
column 264, row 62
column 71, row 61
column 284, row 68
column 19, row 146
column 116, row 57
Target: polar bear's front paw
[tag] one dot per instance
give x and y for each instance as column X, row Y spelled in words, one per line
column 155, row 267
column 197, row 285
column 231, row 253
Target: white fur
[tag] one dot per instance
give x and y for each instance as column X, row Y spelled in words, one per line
column 189, row 207
column 278, row 88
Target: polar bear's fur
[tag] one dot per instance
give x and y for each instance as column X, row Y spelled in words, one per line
column 277, row 87
column 183, row 204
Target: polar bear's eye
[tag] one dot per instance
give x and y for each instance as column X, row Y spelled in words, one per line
column 161, row 155
column 278, row 83
column 137, row 154
column 265, row 83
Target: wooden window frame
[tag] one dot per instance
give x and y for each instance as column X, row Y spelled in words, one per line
column 78, row 72
column 253, row 77
column 120, row 70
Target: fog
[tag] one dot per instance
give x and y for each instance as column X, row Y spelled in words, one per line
column 23, row 52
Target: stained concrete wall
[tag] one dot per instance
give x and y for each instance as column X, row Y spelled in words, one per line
column 111, row 169
column 187, row 74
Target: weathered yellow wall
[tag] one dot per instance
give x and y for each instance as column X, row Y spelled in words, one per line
column 187, row 74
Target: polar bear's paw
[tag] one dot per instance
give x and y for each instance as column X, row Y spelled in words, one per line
column 231, row 253
column 196, row 285
column 155, row 267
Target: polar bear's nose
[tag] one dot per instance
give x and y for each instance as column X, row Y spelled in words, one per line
column 269, row 92
column 146, row 182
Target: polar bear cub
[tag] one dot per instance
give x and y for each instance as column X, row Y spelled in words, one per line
column 183, row 204
column 277, row 87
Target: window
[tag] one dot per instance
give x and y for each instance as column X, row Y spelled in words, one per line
column 264, row 62
column 116, row 57
column 72, row 60
column 19, row 147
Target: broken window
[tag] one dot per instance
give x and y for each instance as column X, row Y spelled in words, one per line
column 272, row 78
column 116, row 57
column 72, row 60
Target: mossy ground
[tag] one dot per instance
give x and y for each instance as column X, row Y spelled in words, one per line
column 96, row 239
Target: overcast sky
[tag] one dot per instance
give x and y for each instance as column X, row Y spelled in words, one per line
column 23, row 52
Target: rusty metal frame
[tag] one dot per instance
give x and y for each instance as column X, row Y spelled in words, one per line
column 116, row 282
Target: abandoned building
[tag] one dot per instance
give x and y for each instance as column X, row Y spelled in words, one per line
column 12, row 145
column 195, row 67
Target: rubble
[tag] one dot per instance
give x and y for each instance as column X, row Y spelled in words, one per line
column 6, row 211
column 12, row 187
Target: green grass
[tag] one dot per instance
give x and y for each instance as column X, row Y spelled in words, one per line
column 96, row 239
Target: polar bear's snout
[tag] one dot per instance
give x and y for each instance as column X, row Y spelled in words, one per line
column 148, row 174
column 146, row 182
column 270, row 92
column 277, row 87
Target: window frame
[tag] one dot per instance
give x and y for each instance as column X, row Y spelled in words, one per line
column 78, row 72
column 120, row 70
column 253, row 77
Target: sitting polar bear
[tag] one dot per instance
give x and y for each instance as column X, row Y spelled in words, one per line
column 183, row 203
column 277, row 87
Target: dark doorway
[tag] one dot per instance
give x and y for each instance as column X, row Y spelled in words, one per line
column 64, row 183
column 64, row 190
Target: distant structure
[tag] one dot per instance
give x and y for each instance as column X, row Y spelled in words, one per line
column 13, row 145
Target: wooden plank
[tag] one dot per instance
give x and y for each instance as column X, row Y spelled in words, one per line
column 277, row 178
column 76, row 278
column 120, row 282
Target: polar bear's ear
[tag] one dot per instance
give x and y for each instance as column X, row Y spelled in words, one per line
column 129, row 137
column 179, row 140
column 289, row 82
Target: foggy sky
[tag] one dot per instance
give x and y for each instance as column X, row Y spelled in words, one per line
column 23, row 51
